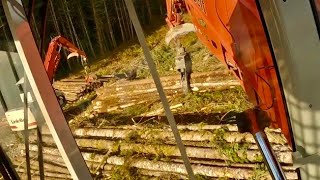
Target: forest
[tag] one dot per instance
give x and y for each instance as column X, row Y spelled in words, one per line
column 95, row 26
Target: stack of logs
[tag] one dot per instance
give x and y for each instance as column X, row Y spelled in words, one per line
column 123, row 94
column 152, row 152
column 73, row 89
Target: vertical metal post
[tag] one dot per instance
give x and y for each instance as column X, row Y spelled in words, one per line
column 3, row 103
column 40, row 153
column 6, row 168
column 26, row 125
column 155, row 75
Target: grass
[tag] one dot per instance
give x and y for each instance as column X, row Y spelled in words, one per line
column 130, row 56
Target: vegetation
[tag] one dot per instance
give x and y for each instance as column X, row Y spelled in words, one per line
column 124, row 172
column 260, row 172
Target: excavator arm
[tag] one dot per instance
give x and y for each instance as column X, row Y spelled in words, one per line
column 53, row 57
column 234, row 33
column 174, row 11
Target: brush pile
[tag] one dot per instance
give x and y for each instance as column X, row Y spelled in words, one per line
column 73, row 89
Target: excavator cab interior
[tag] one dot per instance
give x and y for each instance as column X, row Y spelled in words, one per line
column 272, row 47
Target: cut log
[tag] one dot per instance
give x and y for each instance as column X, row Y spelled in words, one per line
column 56, row 160
column 215, row 167
column 23, row 175
column 173, row 151
column 231, row 137
column 190, row 127
column 47, row 174
column 209, row 171
column 19, row 161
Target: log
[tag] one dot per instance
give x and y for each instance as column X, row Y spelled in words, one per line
column 47, row 174
column 46, row 139
column 173, row 151
column 275, row 147
column 190, row 127
column 72, row 80
column 107, row 170
column 23, row 175
column 35, row 165
column 238, row 168
column 48, row 158
column 231, row 137
column 169, row 150
column 224, row 164
column 103, row 109
column 59, row 83
column 169, row 89
column 195, row 76
column 209, row 171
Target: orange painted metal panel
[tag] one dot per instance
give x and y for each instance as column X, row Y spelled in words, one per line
column 234, row 33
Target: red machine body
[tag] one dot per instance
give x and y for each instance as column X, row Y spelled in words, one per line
column 53, row 56
column 233, row 31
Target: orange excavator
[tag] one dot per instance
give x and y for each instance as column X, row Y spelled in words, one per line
column 53, row 58
column 262, row 43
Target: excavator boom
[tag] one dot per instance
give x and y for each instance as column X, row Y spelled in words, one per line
column 235, row 34
column 53, row 57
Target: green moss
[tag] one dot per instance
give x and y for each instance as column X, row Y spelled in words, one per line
column 124, row 172
column 201, row 125
column 127, row 153
column 132, row 136
column 136, row 110
column 259, row 158
column 259, row 172
column 201, row 177
column 235, row 152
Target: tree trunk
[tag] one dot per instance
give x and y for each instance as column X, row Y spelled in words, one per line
column 125, row 19
column 98, row 28
column 77, row 41
column 54, row 18
column 114, row 43
column 149, row 9
column 84, row 26
column 117, row 9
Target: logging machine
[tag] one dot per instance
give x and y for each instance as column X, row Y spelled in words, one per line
column 271, row 46
column 53, row 58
